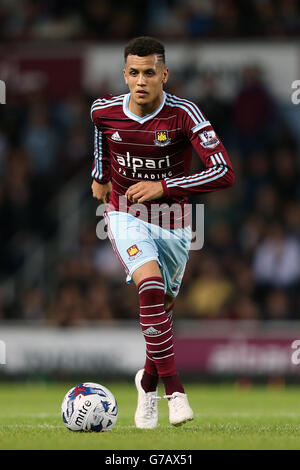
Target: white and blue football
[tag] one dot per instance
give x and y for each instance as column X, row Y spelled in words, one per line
column 89, row 407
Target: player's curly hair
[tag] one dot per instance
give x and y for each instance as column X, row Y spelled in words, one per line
column 143, row 46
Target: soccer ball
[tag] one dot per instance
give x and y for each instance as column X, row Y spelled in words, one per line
column 89, row 407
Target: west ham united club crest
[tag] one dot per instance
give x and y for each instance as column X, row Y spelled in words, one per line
column 162, row 138
column 134, row 252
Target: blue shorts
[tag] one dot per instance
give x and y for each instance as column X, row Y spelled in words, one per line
column 136, row 242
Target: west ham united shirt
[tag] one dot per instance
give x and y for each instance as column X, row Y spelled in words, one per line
column 157, row 147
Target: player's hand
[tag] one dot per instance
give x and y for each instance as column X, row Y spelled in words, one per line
column 101, row 192
column 144, row 191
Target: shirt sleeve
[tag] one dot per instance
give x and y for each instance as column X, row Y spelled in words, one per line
column 218, row 172
column 101, row 170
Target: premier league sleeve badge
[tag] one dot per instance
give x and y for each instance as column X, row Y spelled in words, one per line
column 209, row 139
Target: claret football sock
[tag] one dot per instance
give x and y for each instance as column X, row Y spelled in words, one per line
column 149, row 366
column 157, row 329
column 172, row 384
column 169, row 312
column 149, row 382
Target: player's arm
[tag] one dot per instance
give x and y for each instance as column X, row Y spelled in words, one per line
column 101, row 185
column 218, row 173
column 100, row 191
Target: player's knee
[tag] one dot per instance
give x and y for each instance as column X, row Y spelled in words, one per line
column 150, row 269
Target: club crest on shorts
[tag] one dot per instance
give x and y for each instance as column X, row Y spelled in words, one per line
column 133, row 252
column 162, row 138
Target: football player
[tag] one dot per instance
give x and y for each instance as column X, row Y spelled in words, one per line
column 143, row 146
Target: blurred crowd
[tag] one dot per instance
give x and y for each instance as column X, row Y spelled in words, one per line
column 249, row 267
column 169, row 19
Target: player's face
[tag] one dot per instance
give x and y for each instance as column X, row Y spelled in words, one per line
column 145, row 77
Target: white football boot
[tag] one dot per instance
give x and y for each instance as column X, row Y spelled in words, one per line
column 179, row 409
column 146, row 415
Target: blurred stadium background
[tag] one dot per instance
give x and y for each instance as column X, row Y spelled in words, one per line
column 64, row 305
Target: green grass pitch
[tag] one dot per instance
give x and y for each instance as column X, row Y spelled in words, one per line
column 226, row 417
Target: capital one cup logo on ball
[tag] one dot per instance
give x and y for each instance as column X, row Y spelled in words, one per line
column 89, row 407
